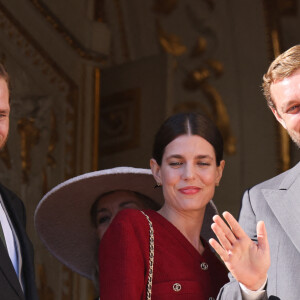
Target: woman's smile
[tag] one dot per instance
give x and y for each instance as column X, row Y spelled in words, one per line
column 189, row 190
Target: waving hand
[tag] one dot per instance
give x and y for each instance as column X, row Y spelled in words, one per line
column 247, row 261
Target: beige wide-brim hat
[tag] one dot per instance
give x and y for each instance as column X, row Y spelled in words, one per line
column 63, row 222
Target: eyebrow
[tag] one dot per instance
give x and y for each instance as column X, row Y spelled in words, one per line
column 201, row 156
column 286, row 105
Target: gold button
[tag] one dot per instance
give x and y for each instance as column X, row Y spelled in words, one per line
column 176, row 287
column 204, row 266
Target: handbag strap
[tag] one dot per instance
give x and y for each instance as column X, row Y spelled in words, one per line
column 151, row 257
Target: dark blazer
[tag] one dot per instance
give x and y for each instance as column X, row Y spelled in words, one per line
column 277, row 203
column 10, row 288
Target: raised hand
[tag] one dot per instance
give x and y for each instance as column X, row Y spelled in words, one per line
column 247, row 261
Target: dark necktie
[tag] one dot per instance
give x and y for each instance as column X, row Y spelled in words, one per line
column 2, row 236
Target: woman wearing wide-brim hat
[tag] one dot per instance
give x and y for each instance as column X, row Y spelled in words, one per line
column 64, row 217
column 66, row 222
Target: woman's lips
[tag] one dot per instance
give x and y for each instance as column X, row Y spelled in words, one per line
column 189, row 190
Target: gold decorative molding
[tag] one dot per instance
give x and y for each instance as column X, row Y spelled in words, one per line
column 66, row 293
column 120, row 121
column 69, row 38
column 44, row 291
column 170, row 42
column 53, row 140
column 205, row 66
column 95, row 153
column 29, row 138
column 272, row 14
column 38, row 57
column 41, row 60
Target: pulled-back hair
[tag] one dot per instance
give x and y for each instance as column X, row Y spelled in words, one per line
column 191, row 124
column 282, row 67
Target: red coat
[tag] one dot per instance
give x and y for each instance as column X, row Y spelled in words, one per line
column 124, row 261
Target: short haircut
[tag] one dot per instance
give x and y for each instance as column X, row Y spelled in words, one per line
column 282, row 67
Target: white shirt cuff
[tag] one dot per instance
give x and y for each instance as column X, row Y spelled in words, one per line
column 253, row 295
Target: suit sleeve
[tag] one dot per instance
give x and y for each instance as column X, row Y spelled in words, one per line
column 122, row 269
column 247, row 220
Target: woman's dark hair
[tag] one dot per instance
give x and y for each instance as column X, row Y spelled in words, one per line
column 145, row 201
column 187, row 123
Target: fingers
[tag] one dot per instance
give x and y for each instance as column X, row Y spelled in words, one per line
column 234, row 225
column 219, row 249
column 228, row 236
column 221, row 235
column 224, row 227
column 262, row 237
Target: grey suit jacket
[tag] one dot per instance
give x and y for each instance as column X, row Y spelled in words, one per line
column 277, row 203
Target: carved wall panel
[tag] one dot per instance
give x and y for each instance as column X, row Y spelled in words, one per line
column 42, row 148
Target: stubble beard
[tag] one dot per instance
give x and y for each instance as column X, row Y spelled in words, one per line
column 3, row 142
column 295, row 136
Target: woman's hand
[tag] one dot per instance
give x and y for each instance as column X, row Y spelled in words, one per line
column 247, row 261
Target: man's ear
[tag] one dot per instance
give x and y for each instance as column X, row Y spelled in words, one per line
column 278, row 117
column 155, row 168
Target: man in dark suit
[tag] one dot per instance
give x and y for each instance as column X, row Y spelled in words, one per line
column 17, row 280
column 276, row 202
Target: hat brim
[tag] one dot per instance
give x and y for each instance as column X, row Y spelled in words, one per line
column 62, row 217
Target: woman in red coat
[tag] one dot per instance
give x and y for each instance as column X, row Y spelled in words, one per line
column 187, row 164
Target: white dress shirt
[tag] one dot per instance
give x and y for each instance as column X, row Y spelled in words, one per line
column 9, row 238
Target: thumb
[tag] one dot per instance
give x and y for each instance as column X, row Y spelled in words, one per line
column 262, row 237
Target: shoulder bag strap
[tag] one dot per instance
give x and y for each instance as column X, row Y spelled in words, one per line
column 151, row 257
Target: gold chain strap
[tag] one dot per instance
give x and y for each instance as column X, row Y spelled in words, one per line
column 151, row 258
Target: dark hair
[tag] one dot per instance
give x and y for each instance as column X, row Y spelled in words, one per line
column 187, row 123
column 3, row 74
column 146, row 203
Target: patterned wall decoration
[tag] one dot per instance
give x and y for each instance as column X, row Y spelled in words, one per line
column 69, row 38
column 119, row 121
column 34, row 134
column 198, row 63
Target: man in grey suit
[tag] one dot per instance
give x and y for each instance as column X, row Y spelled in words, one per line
column 17, row 280
column 276, row 202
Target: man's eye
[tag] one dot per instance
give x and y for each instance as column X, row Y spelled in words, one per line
column 201, row 163
column 175, row 163
column 293, row 109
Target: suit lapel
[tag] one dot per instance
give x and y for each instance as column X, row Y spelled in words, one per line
column 8, row 271
column 6, row 265
column 285, row 204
